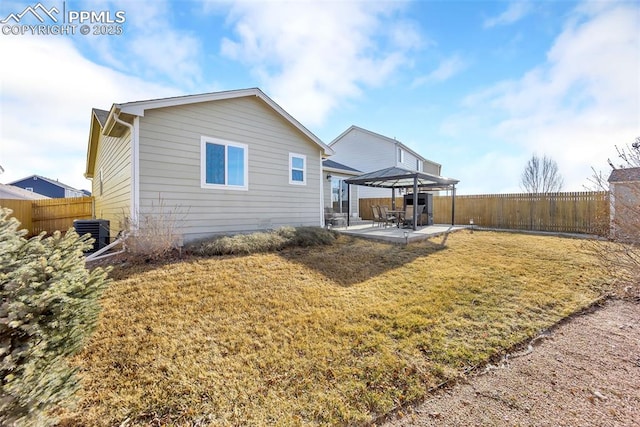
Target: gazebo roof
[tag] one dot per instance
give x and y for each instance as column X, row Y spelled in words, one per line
column 395, row 177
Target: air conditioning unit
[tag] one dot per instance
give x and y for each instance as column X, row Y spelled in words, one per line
column 98, row 228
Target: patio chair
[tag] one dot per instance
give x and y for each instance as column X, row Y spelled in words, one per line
column 376, row 215
column 408, row 215
column 386, row 216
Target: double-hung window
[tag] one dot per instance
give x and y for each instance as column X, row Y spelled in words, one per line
column 223, row 164
column 297, row 169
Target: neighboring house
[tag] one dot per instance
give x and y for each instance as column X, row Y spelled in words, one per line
column 17, row 193
column 335, row 190
column 47, row 187
column 368, row 151
column 624, row 190
column 214, row 163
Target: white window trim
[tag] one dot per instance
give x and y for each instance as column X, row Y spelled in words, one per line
column 400, row 155
column 304, row 169
column 204, row 140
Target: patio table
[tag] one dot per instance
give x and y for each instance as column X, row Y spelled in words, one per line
column 399, row 214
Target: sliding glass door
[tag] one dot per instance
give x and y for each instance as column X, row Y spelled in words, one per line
column 339, row 198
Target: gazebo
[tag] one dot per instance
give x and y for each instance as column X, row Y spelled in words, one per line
column 395, row 177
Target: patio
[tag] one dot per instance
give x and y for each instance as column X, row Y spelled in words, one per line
column 397, row 235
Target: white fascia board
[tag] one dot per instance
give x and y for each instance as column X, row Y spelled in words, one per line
column 138, row 108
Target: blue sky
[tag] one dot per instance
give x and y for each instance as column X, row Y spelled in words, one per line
column 477, row 86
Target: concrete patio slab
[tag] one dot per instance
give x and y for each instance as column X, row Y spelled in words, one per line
column 398, row 235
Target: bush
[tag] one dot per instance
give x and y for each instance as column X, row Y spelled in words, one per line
column 48, row 307
column 621, row 258
column 264, row 241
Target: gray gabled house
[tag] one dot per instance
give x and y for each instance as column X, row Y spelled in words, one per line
column 214, row 163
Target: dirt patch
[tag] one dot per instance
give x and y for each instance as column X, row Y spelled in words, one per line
column 585, row 372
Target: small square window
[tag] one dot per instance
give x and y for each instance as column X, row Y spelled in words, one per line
column 297, row 169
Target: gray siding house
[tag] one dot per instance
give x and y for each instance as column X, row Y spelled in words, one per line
column 215, row 163
column 368, row 151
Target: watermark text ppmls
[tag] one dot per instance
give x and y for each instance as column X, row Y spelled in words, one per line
column 57, row 18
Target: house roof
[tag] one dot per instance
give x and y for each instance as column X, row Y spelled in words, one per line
column 625, row 175
column 101, row 115
column 386, row 138
column 333, row 165
column 395, row 177
column 12, row 192
column 137, row 108
column 52, row 181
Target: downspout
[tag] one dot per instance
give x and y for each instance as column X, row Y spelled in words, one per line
column 322, row 219
column 415, row 203
column 134, row 171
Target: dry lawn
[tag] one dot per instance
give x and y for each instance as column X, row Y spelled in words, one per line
column 319, row 336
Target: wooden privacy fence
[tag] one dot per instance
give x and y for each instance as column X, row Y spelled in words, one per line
column 366, row 204
column 576, row 212
column 49, row 215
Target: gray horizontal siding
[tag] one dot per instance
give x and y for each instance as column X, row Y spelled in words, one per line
column 170, row 168
column 114, row 203
column 363, row 152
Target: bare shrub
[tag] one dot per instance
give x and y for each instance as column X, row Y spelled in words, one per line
column 264, row 241
column 156, row 231
column 620, row 255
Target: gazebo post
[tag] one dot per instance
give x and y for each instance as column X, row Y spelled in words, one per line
column 348, row 205
column 415, row 202
column 453, row 205
column 393, row 198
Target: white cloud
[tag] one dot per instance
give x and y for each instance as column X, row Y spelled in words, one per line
column 45, row 105
column 447, row 69
column 581, row 102
column 151, row 46
column 515, row 12
column 311, row 56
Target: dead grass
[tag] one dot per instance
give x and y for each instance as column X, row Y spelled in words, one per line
column 317, row 336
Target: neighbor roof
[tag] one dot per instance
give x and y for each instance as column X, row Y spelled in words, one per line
column 625, row 175
column 330, row 164
column 395, row 177
column 12, row 192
